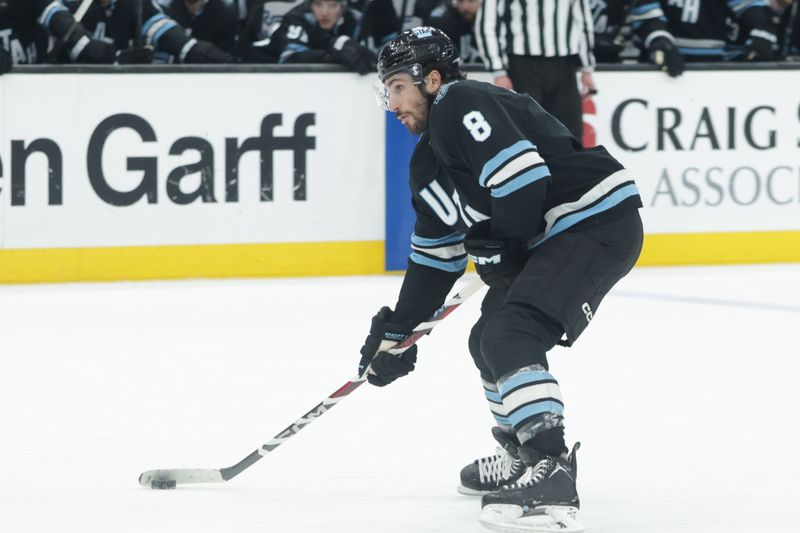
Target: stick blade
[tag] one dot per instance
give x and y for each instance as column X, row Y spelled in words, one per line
column 180, row 476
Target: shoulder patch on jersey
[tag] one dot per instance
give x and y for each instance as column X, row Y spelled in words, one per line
column 443, row 92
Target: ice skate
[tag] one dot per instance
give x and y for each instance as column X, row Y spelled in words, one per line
column 543, row 500
column 490, row 473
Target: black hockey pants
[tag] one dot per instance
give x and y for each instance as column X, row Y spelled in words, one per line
column 558, row 292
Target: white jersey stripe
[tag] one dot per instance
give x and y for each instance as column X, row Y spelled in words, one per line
column 589, row 197
column 514, row 167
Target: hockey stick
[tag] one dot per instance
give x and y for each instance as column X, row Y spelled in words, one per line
column 169, row 478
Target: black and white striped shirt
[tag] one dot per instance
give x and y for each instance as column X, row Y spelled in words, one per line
column 545, row 28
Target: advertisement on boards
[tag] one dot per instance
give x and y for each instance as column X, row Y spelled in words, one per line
column 94, row 160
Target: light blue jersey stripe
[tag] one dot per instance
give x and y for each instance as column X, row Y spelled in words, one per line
column 743, row 5
column 645, row 8
column 448, row 239
column 447, row 266
column 701, row 51
column 610, row 201
column 502, row 157
column 152, row 20
column 536, row 409
column 51, row 11
column 521, row 181
column 163, row 29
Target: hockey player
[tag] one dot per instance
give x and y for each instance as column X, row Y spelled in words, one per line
column 213, row 21
column 143, row 23
column 380, row 22
column 649, row 26
column 26, row 25
column 551, row 227
column 700, row 28
column 457, row 20
column 324, row 31
column 19, row 42
column 258, row 21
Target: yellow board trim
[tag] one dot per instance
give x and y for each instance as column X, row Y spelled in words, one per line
column 720, row 248
column 44, row 265
column 191, row 261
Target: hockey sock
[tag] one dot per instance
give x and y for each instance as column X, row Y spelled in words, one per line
column 549, row 442
column 532, row 399
column 496, row 405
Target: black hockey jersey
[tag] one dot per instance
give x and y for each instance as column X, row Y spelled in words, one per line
column 494, row 154
column 216, row 22
column 118, row 21
column 129, row 23
column 20, row 33
column 647, row 22
column 380, row 22
column 700, row 28
column 301, row 39
column 462, row 32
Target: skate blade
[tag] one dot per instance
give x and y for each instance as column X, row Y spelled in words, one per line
column 470, row 492
column 548, row 519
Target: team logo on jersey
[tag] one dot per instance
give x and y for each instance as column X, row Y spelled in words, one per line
column 442, row 92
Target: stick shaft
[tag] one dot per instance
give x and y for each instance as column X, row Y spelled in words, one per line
column 224, row 474
column 345, row 390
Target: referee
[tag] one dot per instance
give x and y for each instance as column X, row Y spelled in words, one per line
column 536, row 47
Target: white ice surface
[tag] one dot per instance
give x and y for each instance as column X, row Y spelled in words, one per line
column 686, row 407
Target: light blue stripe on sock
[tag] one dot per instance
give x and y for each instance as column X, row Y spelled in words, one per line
column 538, row 408
column 502, row 420
column 493, row 396
column 525, row 378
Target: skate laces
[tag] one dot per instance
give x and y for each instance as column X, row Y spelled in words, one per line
column 536, row 473
column 496, row 467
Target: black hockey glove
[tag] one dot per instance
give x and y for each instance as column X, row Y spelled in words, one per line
column 355, row 55
column 497, row 261
column 135, row 56
column 664, row 54
column 5, row 61
column 386, row 367
column 760, row 46
column 205, row 52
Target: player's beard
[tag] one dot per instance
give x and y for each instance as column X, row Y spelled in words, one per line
column 418, row 121
column 417, row 117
